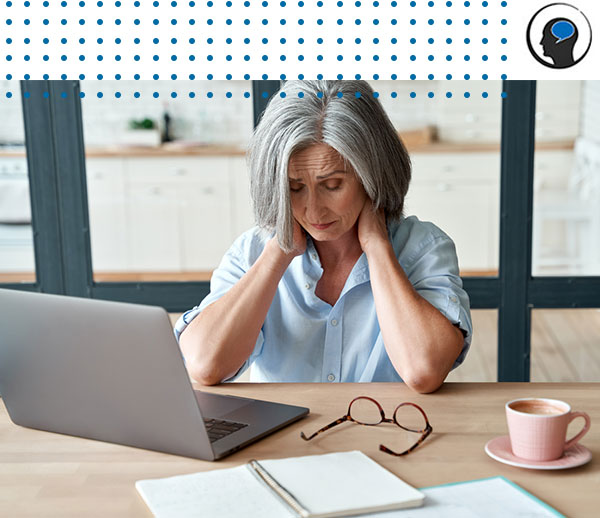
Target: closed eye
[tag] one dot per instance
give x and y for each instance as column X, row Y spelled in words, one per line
column 296, row 186
column 333, row 184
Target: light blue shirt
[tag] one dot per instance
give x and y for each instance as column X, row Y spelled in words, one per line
column 305, row 339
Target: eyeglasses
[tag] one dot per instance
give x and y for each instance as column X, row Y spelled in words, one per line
column 366, row 411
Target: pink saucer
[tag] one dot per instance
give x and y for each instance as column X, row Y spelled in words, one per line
column 499, row 449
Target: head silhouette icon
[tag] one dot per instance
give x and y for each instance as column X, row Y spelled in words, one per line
column 558, row 40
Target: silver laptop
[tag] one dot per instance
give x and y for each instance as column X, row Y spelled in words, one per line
column 113, row 372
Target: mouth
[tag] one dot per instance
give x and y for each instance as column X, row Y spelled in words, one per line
column 322, row 226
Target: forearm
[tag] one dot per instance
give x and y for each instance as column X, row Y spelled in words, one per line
column 223, row 335
column 421, row 342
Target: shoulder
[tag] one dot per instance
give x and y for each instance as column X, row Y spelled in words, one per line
column 414, row 240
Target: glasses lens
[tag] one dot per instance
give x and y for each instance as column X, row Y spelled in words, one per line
column 365, row 411
column 410, row 418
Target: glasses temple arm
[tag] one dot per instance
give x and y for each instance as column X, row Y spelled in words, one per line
column 325, row 428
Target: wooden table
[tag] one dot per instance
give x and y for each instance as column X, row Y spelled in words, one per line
column 46, row 474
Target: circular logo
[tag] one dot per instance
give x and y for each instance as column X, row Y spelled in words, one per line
column 559, row 35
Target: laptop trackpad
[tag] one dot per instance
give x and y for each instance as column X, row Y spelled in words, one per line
column 215, row 405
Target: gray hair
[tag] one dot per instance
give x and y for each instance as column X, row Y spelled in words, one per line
column 342, row 114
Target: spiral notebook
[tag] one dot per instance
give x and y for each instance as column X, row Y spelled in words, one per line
column 315, row 486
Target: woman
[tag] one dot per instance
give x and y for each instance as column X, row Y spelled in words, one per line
column 334, row 284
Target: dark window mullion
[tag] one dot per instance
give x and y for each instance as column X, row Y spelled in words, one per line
column 41, row 164
column 516, row 205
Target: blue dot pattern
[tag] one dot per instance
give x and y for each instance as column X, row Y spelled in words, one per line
column 254, row 39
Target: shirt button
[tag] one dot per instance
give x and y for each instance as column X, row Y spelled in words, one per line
column 314, row 256
column 331, row 377
column 334, row 322
column 307, row 286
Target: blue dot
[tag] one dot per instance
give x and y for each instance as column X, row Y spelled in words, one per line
column 430, row 21
column 209, row 41
column 300, row 21
column 394, row 95
column 136, row 77
column 484, row 77
column 430, row 41
column 467, row 41
column 503, row 95
column 340, row 22
column 430, row 77
column 467, row 4
column 448, row 57
column 246, row 95
column 357, row 57
column 413, row 3
column 467, row 21
column 394, row 41
column 503, row 4
column 413, row 77
column 118, row 95
column 100, row 41
column 485, row 4
column 430, row 4
column 357, row 41
column 246, row 40
column 448, row 21
column 467, row 77
column 82, row 22
column 449, row 4
column 99, row 21
column 503, row 58
column 100, row 95
column 8, row 94
column 467, row 57
column 265, row 41
column 413, row 21
column 301, row 94
column 413, row 57
column 376, row 40
column 503, row 22
column 300, row 41
column 448, row 94
column 376, row 22
column 484, row 21
column 265, row 21
column 484, row 57
column 467, row 95
column 413, row 41
column 484, row 95
column 430, row 57
column 81, row 41
column 81, row 95
column 413, row 95
column 300, row 57
column 357, row 21
column 503, row 77
column 136, row 95
column 282, row 41
column 448, row 41
column 484, row 41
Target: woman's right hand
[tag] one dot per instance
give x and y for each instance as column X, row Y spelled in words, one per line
column 299, row 239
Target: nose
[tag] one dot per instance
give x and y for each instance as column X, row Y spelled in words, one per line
column 315, row 208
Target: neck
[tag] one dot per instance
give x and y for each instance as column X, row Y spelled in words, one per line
column 345, row 248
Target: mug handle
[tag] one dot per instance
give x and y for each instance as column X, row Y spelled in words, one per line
column 586, row 427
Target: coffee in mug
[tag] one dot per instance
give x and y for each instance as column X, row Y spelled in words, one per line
column 538, row 427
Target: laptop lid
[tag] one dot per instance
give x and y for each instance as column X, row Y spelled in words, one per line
column 103, row 370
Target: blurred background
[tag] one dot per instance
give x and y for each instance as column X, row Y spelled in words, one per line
column 167, row 190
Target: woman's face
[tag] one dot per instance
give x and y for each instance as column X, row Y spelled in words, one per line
column 326, row 197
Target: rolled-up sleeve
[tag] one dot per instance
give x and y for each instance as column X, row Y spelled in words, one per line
column 433, row 271
column 233, row 266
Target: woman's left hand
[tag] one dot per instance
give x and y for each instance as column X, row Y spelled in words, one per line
column 372, row 229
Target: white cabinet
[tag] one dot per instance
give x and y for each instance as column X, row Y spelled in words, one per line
column 459, row 192
column 164, row 214
column 109, row 235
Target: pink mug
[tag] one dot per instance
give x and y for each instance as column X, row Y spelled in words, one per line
column 538, row 427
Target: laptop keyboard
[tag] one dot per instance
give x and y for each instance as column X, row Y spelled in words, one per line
column 217, row 428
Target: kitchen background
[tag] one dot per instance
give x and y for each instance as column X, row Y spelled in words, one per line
column 168, row 189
